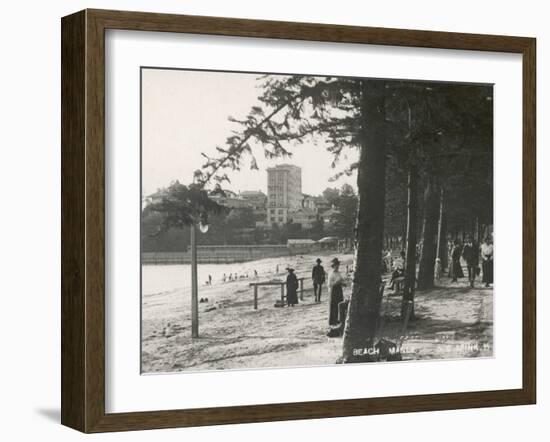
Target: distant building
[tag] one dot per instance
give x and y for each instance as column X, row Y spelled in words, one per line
column 328, row 216
column 232, row 202
column 321, row 203
column 305, row 217
column 329, row 242
column 308, row 202
column 316, row 203
column 154, row 197
column 257, row 200
column 297, row 246
column 284, row 192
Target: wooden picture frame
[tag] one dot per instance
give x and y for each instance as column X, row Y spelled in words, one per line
column 83, row 220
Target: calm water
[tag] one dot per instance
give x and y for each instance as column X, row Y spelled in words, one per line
column 163, row 278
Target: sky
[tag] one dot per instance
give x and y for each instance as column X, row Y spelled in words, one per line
column 185, row 113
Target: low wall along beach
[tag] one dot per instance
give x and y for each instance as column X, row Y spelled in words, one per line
column 217, row 254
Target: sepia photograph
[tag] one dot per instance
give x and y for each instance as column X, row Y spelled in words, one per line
column 298, row 220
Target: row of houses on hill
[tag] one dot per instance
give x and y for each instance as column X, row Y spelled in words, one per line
column 284, row 202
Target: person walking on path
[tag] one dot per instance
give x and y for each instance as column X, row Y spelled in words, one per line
column 291, row 288
column 470, row 253
column 318, row 277
column 388, row 261
column 398, row 269
column 336, row 294
column 455, row 269
column 487, row 263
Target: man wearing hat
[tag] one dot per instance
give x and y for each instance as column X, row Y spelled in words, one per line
column 318, row 277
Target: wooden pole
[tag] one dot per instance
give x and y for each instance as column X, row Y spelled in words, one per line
column 301, row 289
column 194, row 285
column 255, row 297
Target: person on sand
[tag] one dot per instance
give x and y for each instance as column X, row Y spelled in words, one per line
column 487, row 264
column 455, row 269
column 318, row 277
column 388, row 261
column 470, row 253
column 336, row 294
column 398, row 269
column 291, row 288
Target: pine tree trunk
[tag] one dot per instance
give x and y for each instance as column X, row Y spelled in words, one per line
column 439, row 224
column 364, row 306
column 429, row 235
column 443, row 246
column 410, row 268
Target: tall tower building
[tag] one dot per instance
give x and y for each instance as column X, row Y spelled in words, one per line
column 284, row 192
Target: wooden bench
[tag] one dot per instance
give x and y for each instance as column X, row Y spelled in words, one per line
column 282, row 284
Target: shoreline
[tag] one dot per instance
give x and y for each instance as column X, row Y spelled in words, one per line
column 164, row 279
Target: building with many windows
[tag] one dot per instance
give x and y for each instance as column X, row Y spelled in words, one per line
column 284, row 192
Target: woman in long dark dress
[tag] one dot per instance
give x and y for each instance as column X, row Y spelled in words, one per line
column 455, row 269
column 291, row 288
column 335, row 284
column 487, row 264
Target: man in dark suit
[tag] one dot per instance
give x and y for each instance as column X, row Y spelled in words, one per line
column 318, row 277
column 470, row 253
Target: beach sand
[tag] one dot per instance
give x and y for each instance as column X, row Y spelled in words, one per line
column 452, row 322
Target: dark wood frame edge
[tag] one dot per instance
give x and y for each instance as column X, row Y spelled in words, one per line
column 83, row 215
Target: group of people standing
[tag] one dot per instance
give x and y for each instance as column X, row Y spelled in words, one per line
column 336, row 283
column 471, row 253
